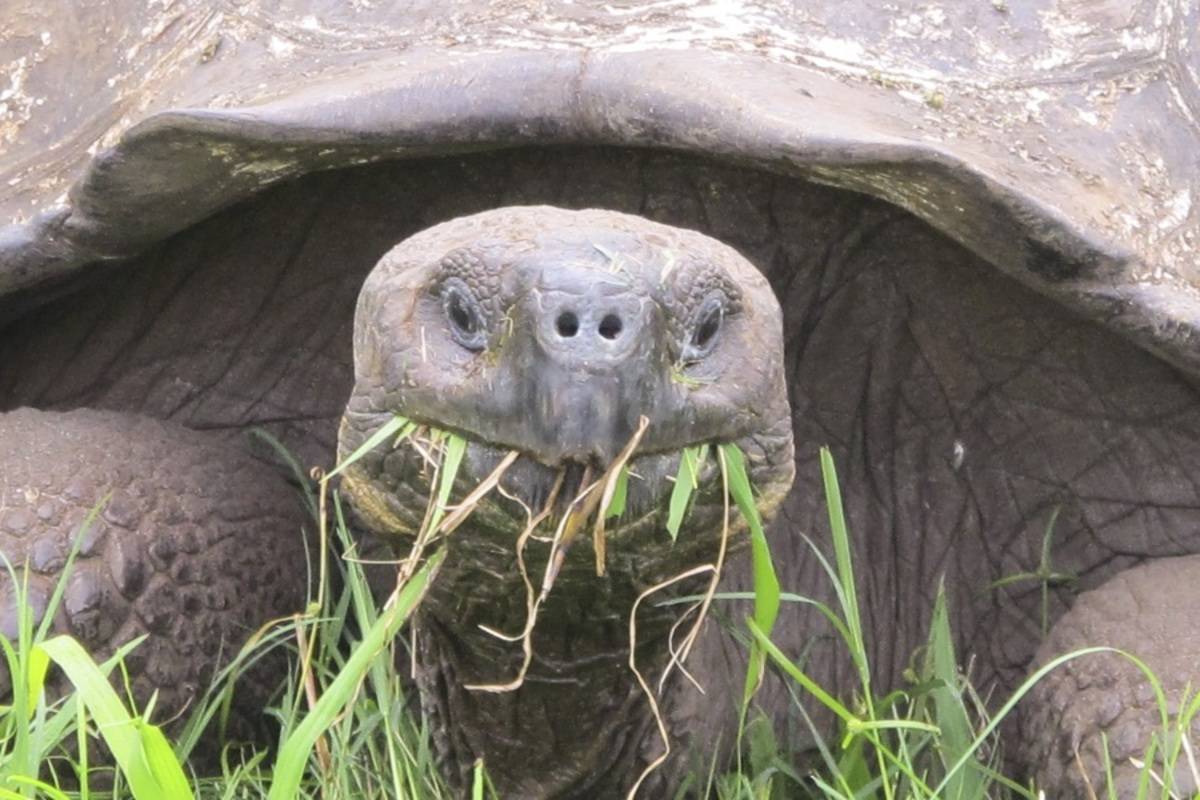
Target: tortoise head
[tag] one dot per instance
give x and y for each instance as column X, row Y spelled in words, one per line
column 554, row 333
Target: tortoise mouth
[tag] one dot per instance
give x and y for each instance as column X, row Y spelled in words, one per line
column 539, row 486
column 392, row 489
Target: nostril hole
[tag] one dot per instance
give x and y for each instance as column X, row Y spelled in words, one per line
column 610, row 326
column 567, row 324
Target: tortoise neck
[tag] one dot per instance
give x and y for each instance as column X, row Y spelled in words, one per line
column 577, row 719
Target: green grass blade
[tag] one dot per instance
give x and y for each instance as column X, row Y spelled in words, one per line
column 456, row 447
column 295, row 751
column 949, row 710
column 800, row 676
column 41, row 786
column 36, row 668
column 845, row 565
column 58, row 726
column 122, row 733
column 396, row 424
column 160, row 759
column 477, row 782
column 784, row 597
column 895, row 724
column 81, row 740
column 766, row 582
column 685, row 486
column 616, row 506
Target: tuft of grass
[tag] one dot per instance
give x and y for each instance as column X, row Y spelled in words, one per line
column 142, row 752
column 348, row 729
column 297, row 746
column 35, row 732
column 343, row 691
column 934, row 739
column 333, row 692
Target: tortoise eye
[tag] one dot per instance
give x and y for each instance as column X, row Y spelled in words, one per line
column 705, row 327
column 464, row 315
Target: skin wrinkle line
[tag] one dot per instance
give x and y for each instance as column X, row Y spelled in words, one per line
column 286, row 265
column 818, row 300
column 247, row 416
column 99, row 316
column 176, row 289
column 129, row 359
column 184, row 278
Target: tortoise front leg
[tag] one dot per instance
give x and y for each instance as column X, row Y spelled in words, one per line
column 195, row 546
column 1103, row 701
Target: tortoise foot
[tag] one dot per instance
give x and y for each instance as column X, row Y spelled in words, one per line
column 1097, row 714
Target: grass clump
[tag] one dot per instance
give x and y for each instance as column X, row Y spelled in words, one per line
column 346, row 720
column 347, row 730
column 34, row 730
column 934, row 739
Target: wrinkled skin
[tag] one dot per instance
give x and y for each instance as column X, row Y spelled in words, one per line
column 961, row 407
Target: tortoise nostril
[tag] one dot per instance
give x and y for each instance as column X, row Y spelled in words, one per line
column 610, row 326
column 567, row 324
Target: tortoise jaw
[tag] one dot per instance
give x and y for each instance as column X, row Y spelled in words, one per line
column 391, row 491
column 537, row 486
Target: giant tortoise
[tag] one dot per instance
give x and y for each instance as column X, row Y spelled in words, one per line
column 978, row 220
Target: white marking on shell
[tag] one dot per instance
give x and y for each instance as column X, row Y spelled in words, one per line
column 839, row 49
column 280, row 48
column 1177, row 210
column 15, row 104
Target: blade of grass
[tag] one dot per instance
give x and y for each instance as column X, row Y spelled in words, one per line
column 616, row 506
column 608, row 481
column 397, row 424
column 125, row 735
column 41, row 786
column 766, row 583
column 951, row 716
column 848, row 597
column 477, row 781
column 159, row 757
column 294, row 752
column 685, row 484
column 845, row 564
column 456, row 446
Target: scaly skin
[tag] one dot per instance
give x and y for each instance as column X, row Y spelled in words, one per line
column 1103, row 702
column 196, row 546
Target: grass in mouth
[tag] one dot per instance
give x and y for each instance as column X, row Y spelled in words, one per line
column 347, row 730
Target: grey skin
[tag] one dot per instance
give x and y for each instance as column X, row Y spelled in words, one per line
column 962, row 407
column 551, row 332
column 979, row 220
